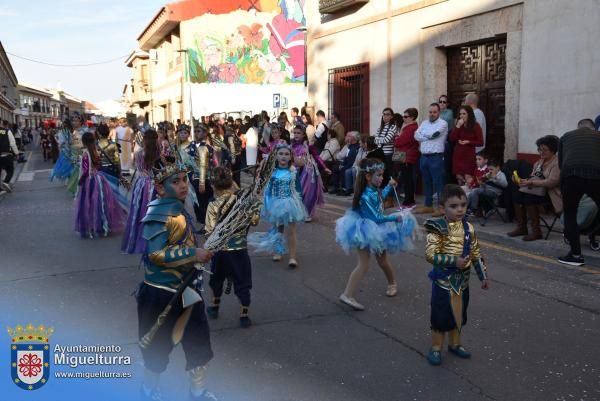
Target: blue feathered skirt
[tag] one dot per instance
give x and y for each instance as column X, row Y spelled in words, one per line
column 283, row 211
column 271, row 241
column 355, row 232
column 63, row 168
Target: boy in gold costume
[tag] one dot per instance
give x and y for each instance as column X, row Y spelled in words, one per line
column 232, row 262
column 453, row 249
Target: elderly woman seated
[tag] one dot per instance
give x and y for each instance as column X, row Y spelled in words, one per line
column 540, row 188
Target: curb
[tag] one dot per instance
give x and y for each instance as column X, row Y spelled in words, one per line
column 540, row 247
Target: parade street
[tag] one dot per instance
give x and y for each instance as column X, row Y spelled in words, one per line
column 534, row 335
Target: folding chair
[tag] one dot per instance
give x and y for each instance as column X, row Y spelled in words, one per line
column 550, row 222
column 491, row 207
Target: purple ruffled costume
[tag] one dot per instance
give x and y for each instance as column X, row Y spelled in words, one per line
column 98, row 207
column 142, row 193
column 310, row 179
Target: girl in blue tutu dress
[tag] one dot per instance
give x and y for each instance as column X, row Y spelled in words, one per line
column 282, row 207
column 99, row 208
column 142, row 193
column 367, row 229
column 64, row 165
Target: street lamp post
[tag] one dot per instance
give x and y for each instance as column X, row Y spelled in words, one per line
column 151, row 84
column 189, row 86
column 304, row 30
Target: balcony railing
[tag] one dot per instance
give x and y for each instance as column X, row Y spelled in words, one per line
column 333, row 6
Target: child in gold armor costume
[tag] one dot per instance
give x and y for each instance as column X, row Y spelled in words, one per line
column 453, row 249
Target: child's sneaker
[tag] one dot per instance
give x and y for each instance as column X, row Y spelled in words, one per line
column 212, row 312
column 351, row 302
column 150, row 395
column 245, row 322
column 434, row 357
column 459, row 351
column 204, row 396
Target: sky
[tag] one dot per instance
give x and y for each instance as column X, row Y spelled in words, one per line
column 75, row 32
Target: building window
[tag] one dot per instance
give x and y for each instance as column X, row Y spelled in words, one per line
column 349, row 96
column 144, row 74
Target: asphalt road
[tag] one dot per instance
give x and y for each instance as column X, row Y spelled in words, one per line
column 534, row 335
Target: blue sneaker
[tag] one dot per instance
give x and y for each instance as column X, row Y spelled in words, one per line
column 434, row 357
column 459, row 351
column 245, row 322
column 212, row 311
column 205, row 396
column 150, row 395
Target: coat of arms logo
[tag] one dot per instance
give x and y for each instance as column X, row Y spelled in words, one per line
column 30, row 355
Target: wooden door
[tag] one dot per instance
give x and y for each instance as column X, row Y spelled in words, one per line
column 481, row 68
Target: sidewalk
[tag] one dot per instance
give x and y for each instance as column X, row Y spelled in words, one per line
column 495, row 231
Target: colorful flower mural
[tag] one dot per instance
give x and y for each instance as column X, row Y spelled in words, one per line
column 267, row 48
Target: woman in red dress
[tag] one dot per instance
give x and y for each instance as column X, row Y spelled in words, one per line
column 466, row 137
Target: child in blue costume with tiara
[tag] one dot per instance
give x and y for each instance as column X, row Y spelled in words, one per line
column 283, row 208
column 367, row 229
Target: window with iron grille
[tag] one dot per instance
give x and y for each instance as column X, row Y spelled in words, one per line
column 349, row 96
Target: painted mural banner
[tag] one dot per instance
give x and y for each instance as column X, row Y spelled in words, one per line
column 262, row 46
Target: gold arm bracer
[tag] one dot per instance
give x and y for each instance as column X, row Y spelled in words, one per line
column 202, row 163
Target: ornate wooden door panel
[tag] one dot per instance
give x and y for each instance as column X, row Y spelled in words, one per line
column 481, row 68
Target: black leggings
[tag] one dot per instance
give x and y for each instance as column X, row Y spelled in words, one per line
column 406, row 177
column 236, row 265
column 573, row 189
column 6, row 164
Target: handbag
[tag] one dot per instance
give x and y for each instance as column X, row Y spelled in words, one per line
column 537, row 191
column 399, row 156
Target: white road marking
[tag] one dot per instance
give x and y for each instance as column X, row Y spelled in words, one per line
column 26, row 176
column 26, row 166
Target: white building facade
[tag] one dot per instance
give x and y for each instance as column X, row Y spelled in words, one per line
column 200, row 58
column 34, row 105
column 532, row 62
